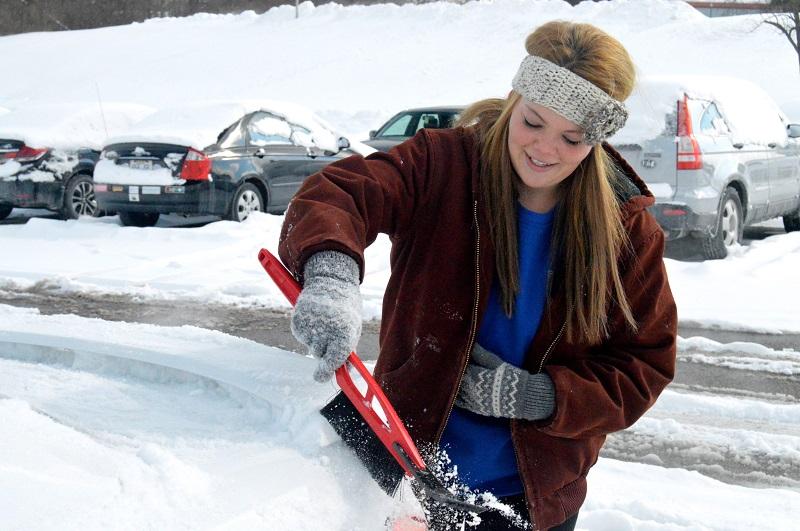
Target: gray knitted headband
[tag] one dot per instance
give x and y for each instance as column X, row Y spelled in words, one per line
column 579, row 101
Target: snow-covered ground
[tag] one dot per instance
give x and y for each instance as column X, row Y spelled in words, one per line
column 129, row 426
column 125, row 426
column 756, row 288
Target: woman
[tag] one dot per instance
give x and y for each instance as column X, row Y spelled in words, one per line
column 528, row 312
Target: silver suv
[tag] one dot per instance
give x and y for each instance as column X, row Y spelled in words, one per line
column 717, row 153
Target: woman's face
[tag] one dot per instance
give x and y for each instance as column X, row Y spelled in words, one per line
column 545, row 148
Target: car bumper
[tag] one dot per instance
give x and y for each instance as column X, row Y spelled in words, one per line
column 190, row 198
column 31, row 194
column 678, row 220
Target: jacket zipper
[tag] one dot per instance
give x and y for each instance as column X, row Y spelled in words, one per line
column 553, row 344
column 474, row 329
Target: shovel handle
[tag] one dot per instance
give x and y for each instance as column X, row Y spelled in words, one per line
column 392, row 431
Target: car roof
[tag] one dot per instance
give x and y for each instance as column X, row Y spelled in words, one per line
column 445, row 108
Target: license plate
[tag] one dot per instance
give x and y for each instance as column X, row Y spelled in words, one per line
column 151, row 190
column 140, row 164
column 133, row 194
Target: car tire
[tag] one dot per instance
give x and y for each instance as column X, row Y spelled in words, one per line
column 79, row 199
column 730, row 222
column 792, row 222
column 246, row 200
column 139, row 219
column 5, row 211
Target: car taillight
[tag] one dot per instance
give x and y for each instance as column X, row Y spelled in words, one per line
column 29, row 154
column 689, row 156
column 196, row 166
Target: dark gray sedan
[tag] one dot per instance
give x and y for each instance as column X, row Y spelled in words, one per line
column 405, row 124
column 226, row 159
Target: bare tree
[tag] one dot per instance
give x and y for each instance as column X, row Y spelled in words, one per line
column 786, row 19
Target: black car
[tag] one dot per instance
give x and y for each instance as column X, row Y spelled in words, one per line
column 405, row 124
column 173, row 164
column 48, row 154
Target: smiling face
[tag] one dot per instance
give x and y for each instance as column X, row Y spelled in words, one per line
column 545, row 148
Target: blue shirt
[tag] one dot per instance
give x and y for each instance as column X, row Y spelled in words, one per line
column 480, row 446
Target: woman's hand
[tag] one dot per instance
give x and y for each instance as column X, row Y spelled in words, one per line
column 327, row 316
column 495, row 388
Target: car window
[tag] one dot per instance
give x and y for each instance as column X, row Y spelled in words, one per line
column 267, row 129
column 429, row 121
column 232, row 136
column 398, row 127
column 712, row 122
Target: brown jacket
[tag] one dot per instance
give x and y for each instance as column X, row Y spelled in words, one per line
column 425, row 196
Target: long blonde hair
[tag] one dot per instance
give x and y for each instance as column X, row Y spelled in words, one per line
column 588, row 236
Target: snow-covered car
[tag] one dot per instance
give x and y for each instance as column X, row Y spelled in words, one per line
column 48, row 154
column 405, row 124
column 718, row 155
column 217, row 158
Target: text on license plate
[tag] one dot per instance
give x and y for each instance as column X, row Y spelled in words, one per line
column 140, row 164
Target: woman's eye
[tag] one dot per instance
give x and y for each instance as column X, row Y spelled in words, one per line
column 571, row 142
column 535, row 126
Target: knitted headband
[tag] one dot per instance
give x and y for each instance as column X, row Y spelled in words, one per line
column 579, row 101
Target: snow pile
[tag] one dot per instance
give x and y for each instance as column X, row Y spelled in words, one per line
column 353, row 64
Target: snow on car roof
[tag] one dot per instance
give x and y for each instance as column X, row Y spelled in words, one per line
column 198, row 124
column 751, row 114
column 70, row 125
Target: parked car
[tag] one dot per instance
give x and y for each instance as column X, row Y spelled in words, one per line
column 225, row 159
column 717, row 153
column 405, row 124
column 48, row 154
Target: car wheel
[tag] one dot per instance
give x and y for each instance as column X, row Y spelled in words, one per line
column 792, row 222
column 729, row 227
column 79, row 198
column 5, row 211
column 246, row 200
column 139, row 219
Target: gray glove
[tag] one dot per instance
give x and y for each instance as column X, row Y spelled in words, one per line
column 327, row 316
column 495, row 388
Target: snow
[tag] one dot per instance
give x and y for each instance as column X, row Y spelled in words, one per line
column 751, row 114
column 217, row 262
column 108, row 172
column 129, row 426
column 199, row 123
column 70, row 125
column 149, row 427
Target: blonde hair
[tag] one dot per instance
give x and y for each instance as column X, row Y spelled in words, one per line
column 588, row 235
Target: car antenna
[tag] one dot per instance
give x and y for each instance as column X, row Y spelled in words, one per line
column 100, row 103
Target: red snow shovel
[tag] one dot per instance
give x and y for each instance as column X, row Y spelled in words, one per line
column 360, row 430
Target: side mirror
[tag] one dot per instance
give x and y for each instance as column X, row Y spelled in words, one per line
column 372, row 134
column 793, row 130
column 343, row 143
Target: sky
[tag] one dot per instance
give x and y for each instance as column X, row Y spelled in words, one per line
column 127, row 426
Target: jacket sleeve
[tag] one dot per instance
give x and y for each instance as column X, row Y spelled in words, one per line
column 618, row 381
column 345, row 206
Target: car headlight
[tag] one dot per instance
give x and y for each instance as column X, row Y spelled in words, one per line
column 109, row 155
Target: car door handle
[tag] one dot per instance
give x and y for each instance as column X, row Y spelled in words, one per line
column 738, row 145
column 773, row 145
